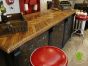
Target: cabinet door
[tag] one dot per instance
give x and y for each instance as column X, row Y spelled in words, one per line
column 42, row 40
column 68, row 29
column 56, row 35
column 29, row 47
column 2, row 60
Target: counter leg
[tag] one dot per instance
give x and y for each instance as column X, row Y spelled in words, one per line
column 12, row 58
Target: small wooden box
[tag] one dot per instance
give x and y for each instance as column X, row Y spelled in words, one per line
column 15, row 23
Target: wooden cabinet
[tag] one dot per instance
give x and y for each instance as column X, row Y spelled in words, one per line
column 56, row 35
column 60, row 34
column 29, row 47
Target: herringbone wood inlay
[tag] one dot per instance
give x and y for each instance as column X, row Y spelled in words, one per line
column 37, row 24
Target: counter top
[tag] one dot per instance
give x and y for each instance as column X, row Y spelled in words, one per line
column 37, row 24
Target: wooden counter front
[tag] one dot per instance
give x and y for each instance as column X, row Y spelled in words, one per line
column 36, row 26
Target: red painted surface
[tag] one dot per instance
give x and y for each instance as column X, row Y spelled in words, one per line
column 48, row 56
column 9, row 2
column 82, row 17
column 21, row 2
column 31, row 4
column 26, row 1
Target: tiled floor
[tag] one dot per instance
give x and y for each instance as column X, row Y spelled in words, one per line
column 77, row 51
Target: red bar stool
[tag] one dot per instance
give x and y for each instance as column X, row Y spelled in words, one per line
column 48, row 56
column 80, row 23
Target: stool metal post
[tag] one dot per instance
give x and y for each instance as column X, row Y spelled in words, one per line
column 83, row 27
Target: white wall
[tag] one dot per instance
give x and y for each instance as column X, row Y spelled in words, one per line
column 79, row 1
column 43, row 5
column 15, row 6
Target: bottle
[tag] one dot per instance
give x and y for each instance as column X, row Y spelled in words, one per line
column 2, row 8
column 4, row 18
column 3, row 11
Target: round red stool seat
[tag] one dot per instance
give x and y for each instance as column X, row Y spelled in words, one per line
column 48, row 56
column 82, row 17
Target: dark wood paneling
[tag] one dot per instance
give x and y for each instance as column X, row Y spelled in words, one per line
column 56, row 35
column 68, row 28
column 2, row 60
column 29, row 47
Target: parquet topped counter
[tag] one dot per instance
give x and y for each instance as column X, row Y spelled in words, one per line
column 37, row 24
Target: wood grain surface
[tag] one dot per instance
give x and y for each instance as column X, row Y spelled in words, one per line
column 37, row 24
